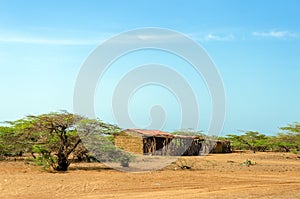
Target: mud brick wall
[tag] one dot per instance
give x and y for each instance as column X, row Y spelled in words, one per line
column 129, row 143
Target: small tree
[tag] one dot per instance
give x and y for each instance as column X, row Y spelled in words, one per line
column 251, row 140
column 290, row 139
column 53, row 137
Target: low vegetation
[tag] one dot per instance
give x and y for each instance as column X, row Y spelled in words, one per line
column 248, row 163
column 55, row 140
column 288, row 140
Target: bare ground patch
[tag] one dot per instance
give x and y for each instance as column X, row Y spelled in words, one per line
column 274, row 175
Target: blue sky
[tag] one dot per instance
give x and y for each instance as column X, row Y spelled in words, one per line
column 255, row 46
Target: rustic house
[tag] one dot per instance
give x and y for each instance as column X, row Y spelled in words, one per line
column 142, row 141
column 156, row 142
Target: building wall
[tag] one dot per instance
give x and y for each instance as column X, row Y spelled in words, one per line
column 222, row 147
column 135, row 143
column 129, row 142
column 218, row 148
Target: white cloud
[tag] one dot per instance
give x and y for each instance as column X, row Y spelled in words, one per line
column 158, row 36
column 274, row 34
column 213, row 37
column 46, row 41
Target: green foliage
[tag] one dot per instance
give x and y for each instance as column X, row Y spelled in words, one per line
column 102, row 147
column 292, row 128
column 56, row 139
column 286, row 141
column 46, row 160
column 250, row 140
column 53, row 139
column 289, row 140
column 248, row 163
column 9, row 143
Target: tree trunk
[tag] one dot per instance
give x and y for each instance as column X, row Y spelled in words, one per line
column 63, row 163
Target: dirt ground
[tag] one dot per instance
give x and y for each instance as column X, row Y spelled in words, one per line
column 274, row 175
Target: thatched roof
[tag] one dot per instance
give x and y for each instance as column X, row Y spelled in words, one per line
column 159, row 133
column 150, row 133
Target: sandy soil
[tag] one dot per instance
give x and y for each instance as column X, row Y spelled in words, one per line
column 275, row 175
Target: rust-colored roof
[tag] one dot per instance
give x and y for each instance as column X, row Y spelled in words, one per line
column 188, row 137
column 148, row 133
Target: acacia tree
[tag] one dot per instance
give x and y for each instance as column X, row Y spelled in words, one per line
column 8, row 142
column 54, row 137
column 98, row 138
column 250, row 140
column 289, row 140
